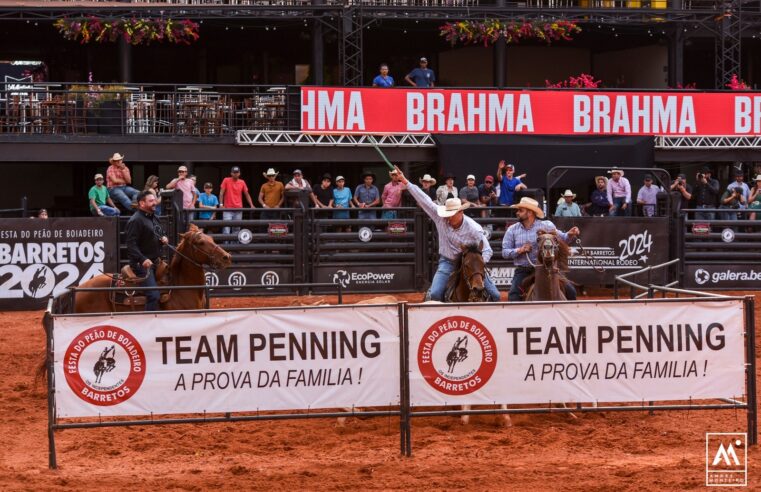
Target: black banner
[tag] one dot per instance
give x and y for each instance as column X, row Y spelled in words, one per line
column 368, row 278
column 723, row 276
column 264, row 275
column 42, row 257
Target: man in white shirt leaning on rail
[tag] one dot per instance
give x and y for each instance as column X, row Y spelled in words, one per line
column 455, row 231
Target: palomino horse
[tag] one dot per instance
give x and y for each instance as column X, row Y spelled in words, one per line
column 195, row 250
column 467, row 282
column 548, row 278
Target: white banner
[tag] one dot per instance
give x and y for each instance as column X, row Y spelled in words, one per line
column 579, row 352
column 227, row 361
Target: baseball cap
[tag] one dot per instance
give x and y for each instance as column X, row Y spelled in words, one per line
column 339, row 178
column 510, row 166
column 423, row 59
column 182, row 168
column 98, row 176
column 705, row 169
column 470, row 176
column 648, row 177
column 297, row 171
column 681, row 175
column 235, row 169
column 489, row 179
column 326, row 176
column 739, row 172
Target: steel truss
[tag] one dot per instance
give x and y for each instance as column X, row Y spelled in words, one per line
column 299, row 139
column 718, row 142
column 728, row 43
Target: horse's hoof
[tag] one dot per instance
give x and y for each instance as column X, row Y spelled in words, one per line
column 505, row 421
column 465, row 419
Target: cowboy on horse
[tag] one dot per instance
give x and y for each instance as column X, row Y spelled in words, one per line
column 145, row 238
column 519, row 244
column 456, row 232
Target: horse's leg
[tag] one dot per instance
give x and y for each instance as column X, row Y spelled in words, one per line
column 465, row 419
column 505, row 417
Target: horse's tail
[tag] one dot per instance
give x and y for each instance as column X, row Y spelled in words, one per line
column 41, row 371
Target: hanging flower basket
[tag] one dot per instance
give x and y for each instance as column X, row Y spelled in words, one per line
column 488, row 31
column 583, row 81
column 737, row 84
column 134, row 31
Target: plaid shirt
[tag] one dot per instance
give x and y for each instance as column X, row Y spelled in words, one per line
column 517, row 235
column 452, row 240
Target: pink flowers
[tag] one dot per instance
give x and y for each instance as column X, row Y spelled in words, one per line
column 583, row 81
column 736, row 84
column 490, row 30
column 134, row 31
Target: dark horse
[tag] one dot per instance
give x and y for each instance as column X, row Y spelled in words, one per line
column 548, row 281
column 106, row 363
column 195, row 250
column 467, row 281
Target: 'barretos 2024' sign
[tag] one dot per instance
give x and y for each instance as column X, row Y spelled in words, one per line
column 40, row 258
column 344, row 110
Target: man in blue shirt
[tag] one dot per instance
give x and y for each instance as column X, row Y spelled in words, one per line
column 519, row 244
column 384, row 79
column 508, row 184
column 422, row 76
column 367, row 196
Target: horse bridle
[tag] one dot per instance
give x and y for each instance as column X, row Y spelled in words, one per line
column 209, row 256
column 468, row 278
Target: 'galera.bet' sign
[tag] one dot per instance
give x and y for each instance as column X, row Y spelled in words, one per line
column 344, row 110
column 576, row 352
column 40, row 258
column 233, row 361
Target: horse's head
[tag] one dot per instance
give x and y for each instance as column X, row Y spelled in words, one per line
column 473, row 273
column 202, row 249
column 548, row 248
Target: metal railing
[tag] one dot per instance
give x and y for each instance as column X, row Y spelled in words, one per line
column 649, row 289
column 22, row 211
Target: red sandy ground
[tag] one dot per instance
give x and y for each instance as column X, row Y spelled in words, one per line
column 597, row 452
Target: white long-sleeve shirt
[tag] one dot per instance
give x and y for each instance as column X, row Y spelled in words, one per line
column 451, row 240
column 619, row 189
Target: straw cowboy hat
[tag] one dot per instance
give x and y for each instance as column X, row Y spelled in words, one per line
column 757, row 178
column 568, row 193
column 270, row 172
column 450, row 207
column 530, row 204
column 116, row 157
column 616, row 170
column 597, row 178
column 428, row 178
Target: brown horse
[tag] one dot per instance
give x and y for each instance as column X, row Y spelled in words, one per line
column 548, row 281
column 467, row 281
column 195, row 250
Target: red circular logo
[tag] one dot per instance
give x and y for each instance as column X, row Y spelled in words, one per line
column 104, row 365
column 457, row 355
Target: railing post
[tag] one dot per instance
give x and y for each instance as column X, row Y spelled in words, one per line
column 299, row 238
column 24, row 207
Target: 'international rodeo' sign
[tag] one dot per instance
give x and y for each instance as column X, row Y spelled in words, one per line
column 227, row 361
column 607, row 352
column 40, row 258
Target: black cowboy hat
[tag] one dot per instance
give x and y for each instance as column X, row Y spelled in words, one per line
column 368, row 173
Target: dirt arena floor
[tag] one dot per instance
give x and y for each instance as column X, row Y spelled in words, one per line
column 596, row 452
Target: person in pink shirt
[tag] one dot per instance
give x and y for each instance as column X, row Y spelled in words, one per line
column 186, row 185
column 119, row 181
column 619, row 193
column 392, row 195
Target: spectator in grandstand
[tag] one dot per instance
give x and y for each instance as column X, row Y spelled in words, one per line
column 598, row 205
column 341, row 200
column 732, row 199
column 42, row 214
column 754, row 202
column 383, row 79
column 509, row 183
column 143, row 245
column 194, row 179
column 392, row 195
column 422, row 76
column 447, row 190
column 152, row 185
column 469, row 195
column 300, row 184
column 519, row 244
column 323, row 194
column 455, row 232
column 647, row 197
column 119, row 181
column 619, row 193
column 367, row 196
column 706, row 194
column 271, row 195
column 100, row 200
column 568, row 208
column 427, row 184
column 183, row 183
column 231, row 193
column 487, row 194
column 740, row 184
column 684, row 191
column 207, row 200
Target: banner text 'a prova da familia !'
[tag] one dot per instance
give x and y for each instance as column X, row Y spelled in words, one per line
column 458, row 111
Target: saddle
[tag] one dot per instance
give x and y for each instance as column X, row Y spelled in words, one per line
column 136, row 299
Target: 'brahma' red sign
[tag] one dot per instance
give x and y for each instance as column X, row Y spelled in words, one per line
column 379, row 111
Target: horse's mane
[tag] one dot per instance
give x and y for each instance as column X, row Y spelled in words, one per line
column 472, row 248
column 177, row 259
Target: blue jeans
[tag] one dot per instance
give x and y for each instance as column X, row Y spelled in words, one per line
column 389, row 214
column 151, row 296
column 107, row 211
column 231, row 216
column 367, row 214
column 440, row 278
column 705, row 215
column 123, row 195
column 520, row 275
column 618, row 202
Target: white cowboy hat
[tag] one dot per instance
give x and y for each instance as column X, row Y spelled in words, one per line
column 757, row 178
column 569, row 193
column 428, row 178
column 616, row 170
column 270, row 172
column 116, row 157
column 451, row 207
column 530, row 204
